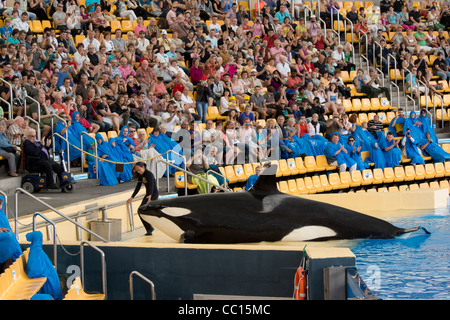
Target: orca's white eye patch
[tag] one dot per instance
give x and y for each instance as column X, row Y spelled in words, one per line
column 176, row 211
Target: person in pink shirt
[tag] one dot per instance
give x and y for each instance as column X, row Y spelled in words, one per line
column 125, row 69
column 139, row 27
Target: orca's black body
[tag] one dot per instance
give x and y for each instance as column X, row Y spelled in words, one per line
column 262, row 214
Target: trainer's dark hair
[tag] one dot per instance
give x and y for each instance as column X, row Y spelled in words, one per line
column 141, row 164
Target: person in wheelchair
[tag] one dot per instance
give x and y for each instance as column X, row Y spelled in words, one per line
column 37, row 159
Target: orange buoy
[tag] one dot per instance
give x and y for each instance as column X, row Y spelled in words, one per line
column 300, row 284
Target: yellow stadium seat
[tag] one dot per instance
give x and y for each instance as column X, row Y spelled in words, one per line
column 375, row 104
column 300, row 166
column 393, row 189
column 444, row 184
column 127, row 26
column 399, row 174
column 424, row 185
column 36, row 26
column 113, row 133
column 429, row 171
column 367, row 176
column 301, row 189
column 292, row 167
column 334, row 180
column 356, row 104
column 420, row 172
column 321, row 161
column 389, row 175
column 239, row 173
column 310, row 164
column 115, row 24
column 309, row 185
column 434, row 185
column 347, row 103
column 292, row 187
column 439, row 170
column 410, row 173
column 76, row 292
column 382, row 189
column 283, row 187
column 179, row 181
column 366, row 105
column 283, row 167
column 346, row 179
column 317, row 184
column 384, row 104
column 248, row 169
column 357, row 179
column 378, row 176
column 324, row 182
column 230, row 174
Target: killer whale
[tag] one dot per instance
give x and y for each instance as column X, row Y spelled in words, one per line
column 261, row 214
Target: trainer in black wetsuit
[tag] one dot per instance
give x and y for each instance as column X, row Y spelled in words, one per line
column 151, row 191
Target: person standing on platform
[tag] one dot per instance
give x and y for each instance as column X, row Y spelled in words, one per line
column 151, row 191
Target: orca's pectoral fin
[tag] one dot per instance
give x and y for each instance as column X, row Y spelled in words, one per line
column 187, row 237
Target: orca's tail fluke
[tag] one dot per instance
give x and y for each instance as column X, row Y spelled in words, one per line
column 407, row 232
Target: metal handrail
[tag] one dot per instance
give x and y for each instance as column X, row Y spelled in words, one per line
column 332, row 24
column 193, row 174
column 152, row 286
column 420, row 82
column 82, row 155
column 375, row 44
column 10, row 109
column 39, row 108
column 434, row 109
column 389, row 75
column 405, row 85
column 55, row 259
column 167, row 167
column 102, row 255
column 324, row 24
column 367, row 47
column 352, row 32
column 10, row 91
column 16, row 214
column 219, row 174
column 38, row 131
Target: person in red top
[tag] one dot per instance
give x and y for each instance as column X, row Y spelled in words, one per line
column 270, row 37
column 58, row 105
column 302, row 126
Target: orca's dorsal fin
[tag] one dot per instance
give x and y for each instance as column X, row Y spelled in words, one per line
column 267, row 182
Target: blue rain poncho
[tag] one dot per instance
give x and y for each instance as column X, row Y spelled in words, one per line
column 163, row 144
column 7, row 245
column 426, row 126
column 434, row 150
column 39, row 265
column 10, row 240
column 412, row 151
column 392, row 156
column 107, row 174
column 341, row 157
column 355, row 155
column 369, row 143
column 122, row 154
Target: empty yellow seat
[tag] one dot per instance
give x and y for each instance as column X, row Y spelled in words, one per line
column 399, row 174
column 439, row 170
column 239, row 173
column 248, row 169
column 334, row 181
column 367, row 177
column 283, row 186
column 309, row 185
column 310, row 164
column 420, row 172
column 76, row 292
column 230, row 174
column 283, row 167
column 179, row 181
column 378, row 176
column 317, row 184
column 300, row 166
column 357, row 179
column 292, row 187
column 444, row 184
column 410, row 173
column 301, row 189
column 389, row 175
column 429, row 171
column 324, row 182
column 292, row 167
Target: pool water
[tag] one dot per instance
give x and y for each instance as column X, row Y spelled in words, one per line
column 414, row 268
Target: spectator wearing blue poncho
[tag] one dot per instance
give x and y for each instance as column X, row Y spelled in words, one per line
column 163, row 144
column 354, row 150
column 396, row 124
column 337, row 155
column 391, row 150
column 4, row 224
column 369, row 143
column 252, row 179
column 106, row 170
column 426, row 126
column 121, row 153
column 39, row 265
column 64, row 129
column 124, row 139
column 431, row 148
column 411, row 146
column 6, row 248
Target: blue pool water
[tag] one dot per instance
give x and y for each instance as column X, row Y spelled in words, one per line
column 414, row 268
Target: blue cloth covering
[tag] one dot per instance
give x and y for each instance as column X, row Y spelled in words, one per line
column 392, row 156
column 427, row 127
column 412, row 151
column 163, row 144
column 341, row 157
column 106, row 170
column 251, row 181
column 392, row 128
column 60, row 144
column 434, row 151
column 7, row 245
column 39, row 265
column 355, row 155
column 10, row 244
column 122, row 154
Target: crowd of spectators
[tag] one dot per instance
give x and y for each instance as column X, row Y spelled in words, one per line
column 252, row 84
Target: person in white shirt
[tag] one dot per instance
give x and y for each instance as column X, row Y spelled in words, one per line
column 171, row 118
column 214, row 25
column 22, row 23
column 142, row 42
column 284, row 68
column 212, row 38
column 80, row 56
column 91, row 40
